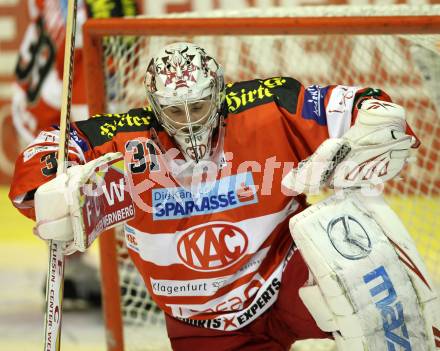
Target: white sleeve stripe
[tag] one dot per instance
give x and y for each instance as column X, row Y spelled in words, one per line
column 339, row 110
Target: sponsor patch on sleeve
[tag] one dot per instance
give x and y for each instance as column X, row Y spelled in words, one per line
column 313, row 105
column 34, row 150
column 78, row 140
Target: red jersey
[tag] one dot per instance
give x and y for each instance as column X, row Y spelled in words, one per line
column 211, row 255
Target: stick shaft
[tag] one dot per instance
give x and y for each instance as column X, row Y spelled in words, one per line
column 67, row 87
column 55, row 272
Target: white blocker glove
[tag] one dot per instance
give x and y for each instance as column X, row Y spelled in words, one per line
column 372, row 151
column 58, row 204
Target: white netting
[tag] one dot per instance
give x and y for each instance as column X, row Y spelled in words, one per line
column 406, row 66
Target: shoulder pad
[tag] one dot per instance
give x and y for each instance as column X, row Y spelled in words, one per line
column 283, row 91
column 103, row 127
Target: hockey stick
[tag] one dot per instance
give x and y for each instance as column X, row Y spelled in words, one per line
column 55, row 272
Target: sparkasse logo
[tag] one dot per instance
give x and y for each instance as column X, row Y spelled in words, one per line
column 212, row 247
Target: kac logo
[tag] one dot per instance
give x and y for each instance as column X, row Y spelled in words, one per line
column 212, row 247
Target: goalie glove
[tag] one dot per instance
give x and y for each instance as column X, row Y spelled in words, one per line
column 74, row 206
column 372, row 151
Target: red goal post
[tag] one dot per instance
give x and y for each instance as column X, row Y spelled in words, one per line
column 337, row 40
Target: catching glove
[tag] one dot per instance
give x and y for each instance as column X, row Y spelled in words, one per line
column 372, row 151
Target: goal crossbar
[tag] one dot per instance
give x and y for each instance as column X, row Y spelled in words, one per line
column 95, row 29
column 264, row 25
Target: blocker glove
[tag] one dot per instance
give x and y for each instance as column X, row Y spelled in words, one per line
column 58, row 203
column 52, row 210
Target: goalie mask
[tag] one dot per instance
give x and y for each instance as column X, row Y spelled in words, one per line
column 185, row 88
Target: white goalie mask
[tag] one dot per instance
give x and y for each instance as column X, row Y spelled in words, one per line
column 185, row 88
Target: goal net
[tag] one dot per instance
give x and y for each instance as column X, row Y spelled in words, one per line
column 393, row 48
